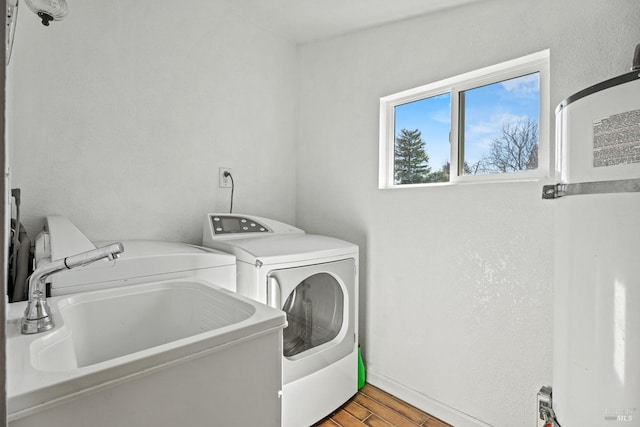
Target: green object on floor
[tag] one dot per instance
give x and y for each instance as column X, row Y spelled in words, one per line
column 361, row 372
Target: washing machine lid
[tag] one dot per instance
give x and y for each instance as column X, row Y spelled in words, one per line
column 140, row 258
column 286, row 248
column 143, row 259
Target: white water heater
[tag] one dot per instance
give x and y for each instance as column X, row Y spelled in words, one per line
column 596, row 367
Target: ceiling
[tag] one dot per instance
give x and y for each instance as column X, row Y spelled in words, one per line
column 307, row 20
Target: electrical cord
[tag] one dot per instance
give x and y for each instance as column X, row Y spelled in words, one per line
column 228, row 174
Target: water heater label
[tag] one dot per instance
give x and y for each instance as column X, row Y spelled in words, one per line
column 616, row 139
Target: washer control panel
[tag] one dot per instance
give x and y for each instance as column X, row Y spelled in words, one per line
column 229, row 224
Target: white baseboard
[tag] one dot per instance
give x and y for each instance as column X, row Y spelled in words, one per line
column 425, row 403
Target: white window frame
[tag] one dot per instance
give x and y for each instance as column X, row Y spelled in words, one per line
column 534, row 63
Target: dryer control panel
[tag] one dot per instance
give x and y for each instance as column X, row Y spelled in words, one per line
column 221, row 226
column 225, row 224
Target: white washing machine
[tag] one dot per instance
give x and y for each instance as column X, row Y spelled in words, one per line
column 142, row 261
column 314, row 280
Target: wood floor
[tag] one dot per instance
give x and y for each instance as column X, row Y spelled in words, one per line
column 373, row 407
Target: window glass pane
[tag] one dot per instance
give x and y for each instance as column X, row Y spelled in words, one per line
column 499, row 126
column 421, row 148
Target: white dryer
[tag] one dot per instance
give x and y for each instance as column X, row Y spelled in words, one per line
column 314, row 280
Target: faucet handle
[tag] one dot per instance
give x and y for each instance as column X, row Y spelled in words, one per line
column 110, row 251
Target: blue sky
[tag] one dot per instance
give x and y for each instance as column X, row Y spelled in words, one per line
column 487, row 108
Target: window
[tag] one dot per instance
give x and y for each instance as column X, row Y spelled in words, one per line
column 486, row 125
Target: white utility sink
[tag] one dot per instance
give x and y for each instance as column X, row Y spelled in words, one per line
column 99, row 326
column 116, row 336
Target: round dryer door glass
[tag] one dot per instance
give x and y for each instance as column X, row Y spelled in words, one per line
column 314, row 312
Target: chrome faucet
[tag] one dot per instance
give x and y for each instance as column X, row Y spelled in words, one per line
column 37, row 316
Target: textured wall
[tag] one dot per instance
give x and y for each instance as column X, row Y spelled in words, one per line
column 121, row 115
column 456, row 283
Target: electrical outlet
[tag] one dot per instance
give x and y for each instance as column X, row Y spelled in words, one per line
column 224, row 181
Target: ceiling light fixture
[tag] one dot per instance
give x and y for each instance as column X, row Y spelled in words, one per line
column 48, row 10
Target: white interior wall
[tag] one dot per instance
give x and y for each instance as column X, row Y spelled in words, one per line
column 456, row 289
column 122, row 113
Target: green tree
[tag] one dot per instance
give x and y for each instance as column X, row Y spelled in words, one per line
column 441, row 175
column 411, row 164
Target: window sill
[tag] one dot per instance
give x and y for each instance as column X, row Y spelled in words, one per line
column 461, row 181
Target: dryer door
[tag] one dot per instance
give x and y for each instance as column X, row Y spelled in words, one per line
column 319, row 301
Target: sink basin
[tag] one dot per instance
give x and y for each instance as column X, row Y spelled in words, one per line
column 97, row 327
column 121, row 343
